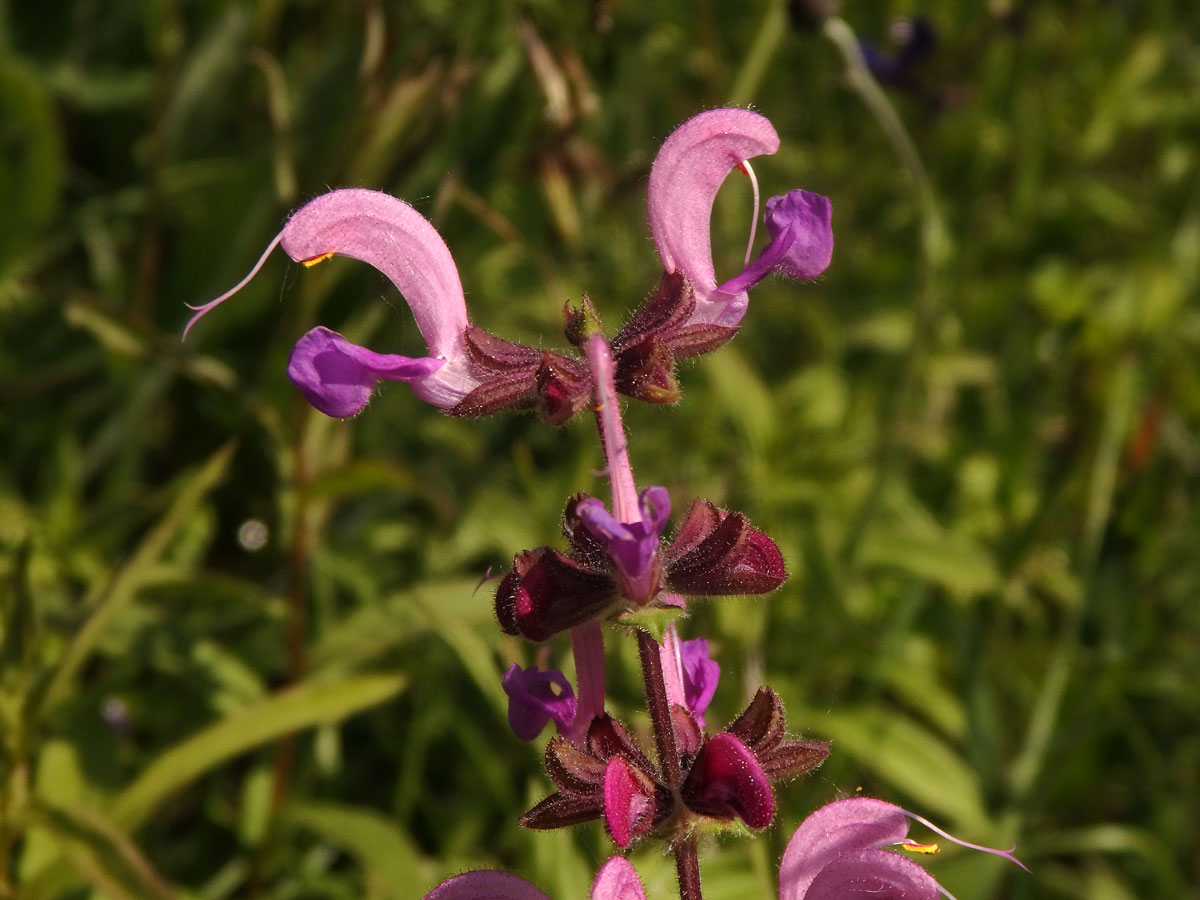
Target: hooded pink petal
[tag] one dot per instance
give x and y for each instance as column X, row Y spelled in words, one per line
column 684, row 180
column 835, row 853
column 487, row 884
column 627, row 802
column 393, row 237
column 877, row 874
column 617, row 880
column 844, row 826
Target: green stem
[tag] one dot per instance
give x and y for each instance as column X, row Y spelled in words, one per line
column 767, row 40
column 935, row 251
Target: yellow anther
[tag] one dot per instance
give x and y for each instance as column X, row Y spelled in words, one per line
column 309, row 263
column 914, row 847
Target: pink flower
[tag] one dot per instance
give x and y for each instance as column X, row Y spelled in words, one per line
column 337, row 376
column 684, row 180
column 837, row 851
column 616, row 880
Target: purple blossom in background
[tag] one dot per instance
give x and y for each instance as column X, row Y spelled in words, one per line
column 536, row 697
column 914, row 40
column 837, row 852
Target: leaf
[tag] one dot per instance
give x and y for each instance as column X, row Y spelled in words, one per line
column 948, row 559
column 394, row 867
column 292, row 710
column 374, row 629
column 102, row 853
column 125, row 582
column 652, row 619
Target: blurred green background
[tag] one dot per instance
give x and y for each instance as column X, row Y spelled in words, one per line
column 975, row 438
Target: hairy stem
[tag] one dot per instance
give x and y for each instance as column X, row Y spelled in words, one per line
column 687, row 865
column 659, row 708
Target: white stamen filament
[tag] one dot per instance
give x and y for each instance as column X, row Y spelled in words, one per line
column 201, row 310
column 754, row 221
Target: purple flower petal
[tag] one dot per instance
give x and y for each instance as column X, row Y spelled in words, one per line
column 700, row 676
column 337, row 377
column 533, row 701
column 684, row 180
column 487, row 884
column 801, row 244
column 617, row 880
column 633, row 546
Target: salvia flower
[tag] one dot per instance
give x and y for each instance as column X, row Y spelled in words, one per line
column 838, row 851
column 337, row 376
column 537, row 697
column 691, row 313
column 684, row 180
column 616, row 880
